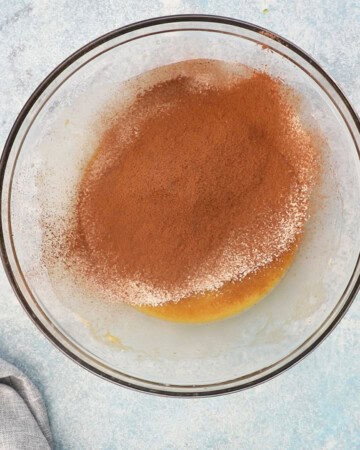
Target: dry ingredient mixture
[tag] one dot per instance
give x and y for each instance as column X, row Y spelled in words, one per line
column 204, row 178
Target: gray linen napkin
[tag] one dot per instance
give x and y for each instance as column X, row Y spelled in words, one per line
column 24, row 423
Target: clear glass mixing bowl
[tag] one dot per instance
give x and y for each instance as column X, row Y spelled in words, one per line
column 50, row 142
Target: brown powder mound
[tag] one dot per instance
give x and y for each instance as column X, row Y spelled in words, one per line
column 193, row 184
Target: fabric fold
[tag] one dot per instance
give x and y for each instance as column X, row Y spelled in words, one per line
column 24, row 422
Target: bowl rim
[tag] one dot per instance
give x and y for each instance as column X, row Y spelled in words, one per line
column 202, row 18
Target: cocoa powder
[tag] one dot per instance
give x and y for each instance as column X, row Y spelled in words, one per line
column 202, row 179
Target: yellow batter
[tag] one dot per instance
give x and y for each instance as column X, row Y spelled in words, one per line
column 229, row 300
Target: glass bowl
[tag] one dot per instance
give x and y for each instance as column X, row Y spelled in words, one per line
column 49, row 143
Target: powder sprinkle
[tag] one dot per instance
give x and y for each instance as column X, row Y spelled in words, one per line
column 202, row 179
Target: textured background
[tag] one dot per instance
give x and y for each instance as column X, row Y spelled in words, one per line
column 312, row 406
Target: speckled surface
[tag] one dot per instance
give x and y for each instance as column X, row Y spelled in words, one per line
column 312, row 406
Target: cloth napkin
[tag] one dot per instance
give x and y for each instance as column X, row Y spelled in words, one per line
column 24, row 423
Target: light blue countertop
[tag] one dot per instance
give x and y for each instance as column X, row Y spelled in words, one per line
column 314, row 405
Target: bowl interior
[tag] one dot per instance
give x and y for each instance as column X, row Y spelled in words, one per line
column 57, row 138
